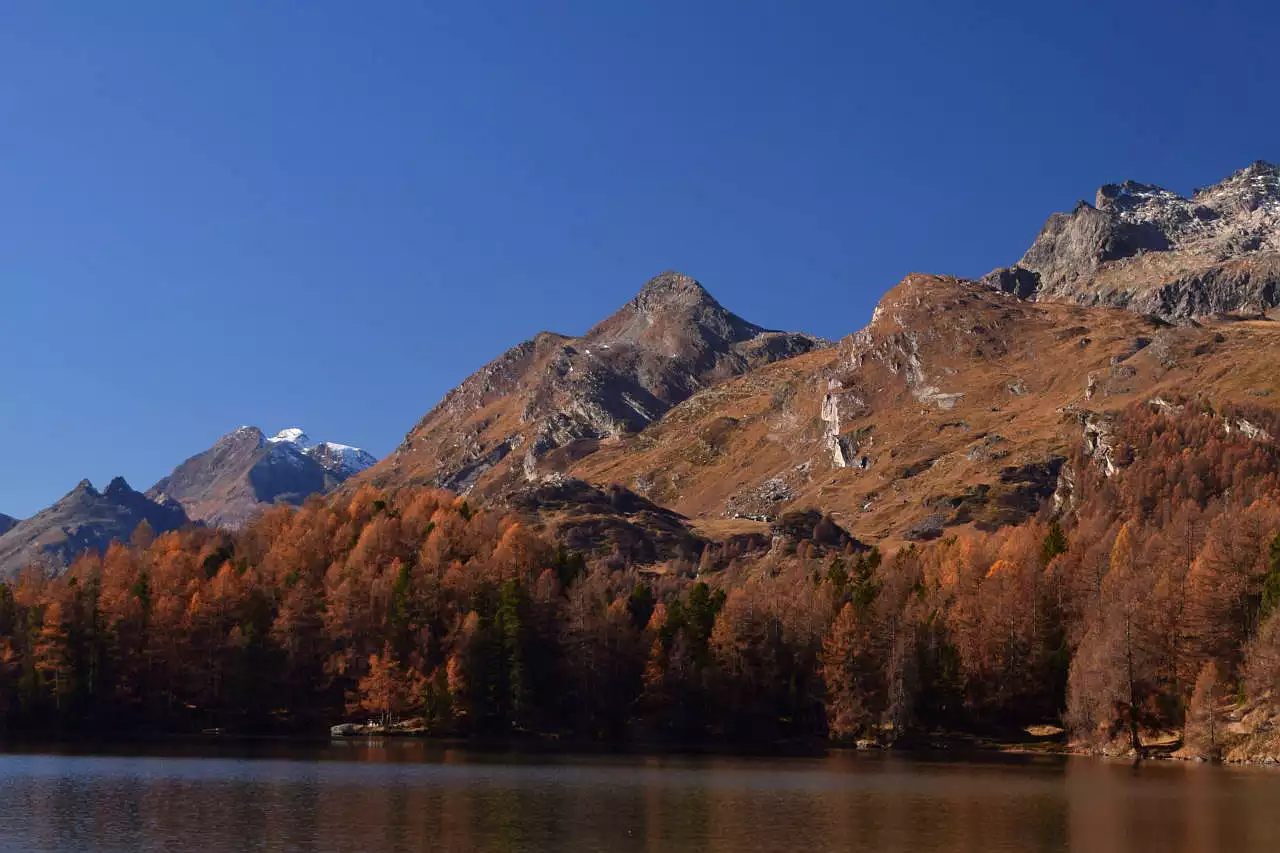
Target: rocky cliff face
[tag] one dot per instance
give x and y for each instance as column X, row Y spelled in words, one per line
column 245, row 471
column 6, row 523
column 83, row 520
column 530, row 412
column 1152, row 251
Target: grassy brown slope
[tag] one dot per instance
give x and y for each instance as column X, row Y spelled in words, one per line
column 1023, row 370
column 723, row 441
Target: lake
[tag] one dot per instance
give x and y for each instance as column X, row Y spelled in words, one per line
column 374, row 796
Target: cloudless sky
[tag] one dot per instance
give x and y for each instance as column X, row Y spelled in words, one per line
column 326, row 214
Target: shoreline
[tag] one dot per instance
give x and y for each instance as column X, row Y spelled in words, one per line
column 957, row 746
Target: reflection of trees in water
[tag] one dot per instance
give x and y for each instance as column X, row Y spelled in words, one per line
column 377, row 798
column 1174, row 806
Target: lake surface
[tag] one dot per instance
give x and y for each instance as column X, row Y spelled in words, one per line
column 370, row 796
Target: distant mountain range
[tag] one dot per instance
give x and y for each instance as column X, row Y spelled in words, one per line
column 224, row 486
column 245, row 470
column 84, row 519
column 674, row 423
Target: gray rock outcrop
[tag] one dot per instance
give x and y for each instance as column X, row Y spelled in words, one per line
column 1152, row 251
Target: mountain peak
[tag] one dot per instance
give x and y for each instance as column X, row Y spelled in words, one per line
column 1256, row 187
column 1131, row 194
column 292, row 435
column 1256, row 169
column 84, row 487
column 117, row 487
column 1153, row 251
column 672, row 289
column 244, row 471
column 340, row 459
column 243, row 435
column 674, row 316
column 669, row 342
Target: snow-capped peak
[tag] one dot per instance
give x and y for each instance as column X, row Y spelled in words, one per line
column 341, row 459
column 294, row 436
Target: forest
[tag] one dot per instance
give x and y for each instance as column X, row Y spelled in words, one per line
column 1150, row 602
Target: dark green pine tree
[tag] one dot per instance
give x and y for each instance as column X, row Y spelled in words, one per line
column 1055, row 543
column 512, row 624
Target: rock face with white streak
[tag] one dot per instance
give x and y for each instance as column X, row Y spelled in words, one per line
column 245, row 471
column 1152, row 251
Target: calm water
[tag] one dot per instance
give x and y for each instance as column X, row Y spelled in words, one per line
column 373, row 797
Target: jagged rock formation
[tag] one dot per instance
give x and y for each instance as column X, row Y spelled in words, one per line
column 6, row 523
column 1152, row 251
column 245, row 471
column 534, row 410
column 1099, row 441
column 83, row 520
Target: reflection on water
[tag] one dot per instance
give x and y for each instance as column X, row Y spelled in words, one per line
column 402, row 796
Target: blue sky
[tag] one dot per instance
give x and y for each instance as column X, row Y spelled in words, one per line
column 327, row 214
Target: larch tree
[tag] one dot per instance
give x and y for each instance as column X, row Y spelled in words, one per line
column 1203, row 735
column 852, row 676
column 388, row 691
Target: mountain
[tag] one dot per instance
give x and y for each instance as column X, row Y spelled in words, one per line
column 84, row 519
column 762, row 494
column 554, row 398
column 956, row 406
column 960, row 404
column 338, row 460
column 674, row 424
column 244, row 471
column 1152, row 251
column 223, row 486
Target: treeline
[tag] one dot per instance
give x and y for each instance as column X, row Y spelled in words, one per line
column 1151, row 603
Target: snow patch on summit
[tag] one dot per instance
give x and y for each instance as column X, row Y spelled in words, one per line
column 340, row 458
column 294, row 436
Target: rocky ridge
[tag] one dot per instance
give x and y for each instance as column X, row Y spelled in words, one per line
column 84, row 519
column 1152, row 251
